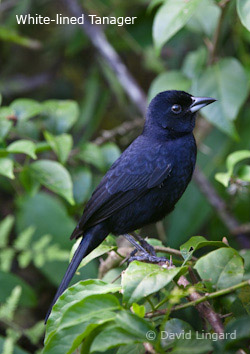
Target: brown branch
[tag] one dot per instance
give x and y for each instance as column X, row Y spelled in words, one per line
column 100, row 42
column 220, row 206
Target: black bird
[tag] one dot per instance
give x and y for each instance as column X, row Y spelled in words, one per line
column 145, row 182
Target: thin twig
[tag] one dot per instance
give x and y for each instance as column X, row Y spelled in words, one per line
column 200, row 299
column 121, row 130
column 171, row 251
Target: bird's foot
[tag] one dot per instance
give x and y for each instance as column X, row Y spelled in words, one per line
column 148, row 258
column 150, row 249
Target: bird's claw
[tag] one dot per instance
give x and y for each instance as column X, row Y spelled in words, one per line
column 148, row 258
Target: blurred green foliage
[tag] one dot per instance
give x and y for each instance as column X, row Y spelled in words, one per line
column 57, row 95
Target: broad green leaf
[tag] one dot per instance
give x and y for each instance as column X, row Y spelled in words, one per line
column 194, row 345
column 231, row 161
column 170, row 18
column 172, row 80
column 23, row 147
column 6, row 168
column 6, row 112
column 222, row 267
column 73, row 295
column 60, row 115
column 55, row 177
column 142, row 279
column 60, row 144
column 196, row 242
column 5, row 228
column 5, row 126
column 172, row 330
column 205, row 18
column 97, row 252
column 238, row 338
column 10, row 35
column 32, row 211
column 25, row 108
column 92, row 154
column 194, row 63
column 8, row 281
column 110, row 152
column 129, row 329
column 227, row 82
column 243, row 9
column 82, row 182
column 79, row 320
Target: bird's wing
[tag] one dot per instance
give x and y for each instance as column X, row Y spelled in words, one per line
column 131, row 176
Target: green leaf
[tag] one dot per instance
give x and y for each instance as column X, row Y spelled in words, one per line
column 23, row 147
column 8, row 309
column 170, row 18
column 227, row 82
column 6, row 258
column 60, row 115
column 92, row 154
column 222, row 267
column 205, row 18
column 6, row 168
column 139, row 310
column 129, row 329
column 195, row 243
column 5, row 126
column 23, row 239
column 231, row 161
column 8, row 281
column 243, row 9
column 17, row 350
column 142, row 279
column 238, row 336
column 194, row 63
column 5, row 228
column 97, row 252
column 172, row 80
column 61, row 145
column 110, row 153
column 82, row 181
column 25, row 108
column 76, row 294
column 79, row 320
column 55, row 177
column 173, row 330
column 32, row 211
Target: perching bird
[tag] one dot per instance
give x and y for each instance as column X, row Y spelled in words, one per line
column 145, row 182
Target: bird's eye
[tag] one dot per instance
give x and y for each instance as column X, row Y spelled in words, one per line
column 176, row 108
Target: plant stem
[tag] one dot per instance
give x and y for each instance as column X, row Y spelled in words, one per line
column 201, row 299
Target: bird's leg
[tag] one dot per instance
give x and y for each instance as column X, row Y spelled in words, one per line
column 134, row 243
column 150, row 249
column 143, row 255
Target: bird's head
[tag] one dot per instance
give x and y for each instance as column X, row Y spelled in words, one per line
column 174, row 111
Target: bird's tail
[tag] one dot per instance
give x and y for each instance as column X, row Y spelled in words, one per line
column 91, row 239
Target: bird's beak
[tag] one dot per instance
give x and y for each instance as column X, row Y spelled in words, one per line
column 200, row 102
